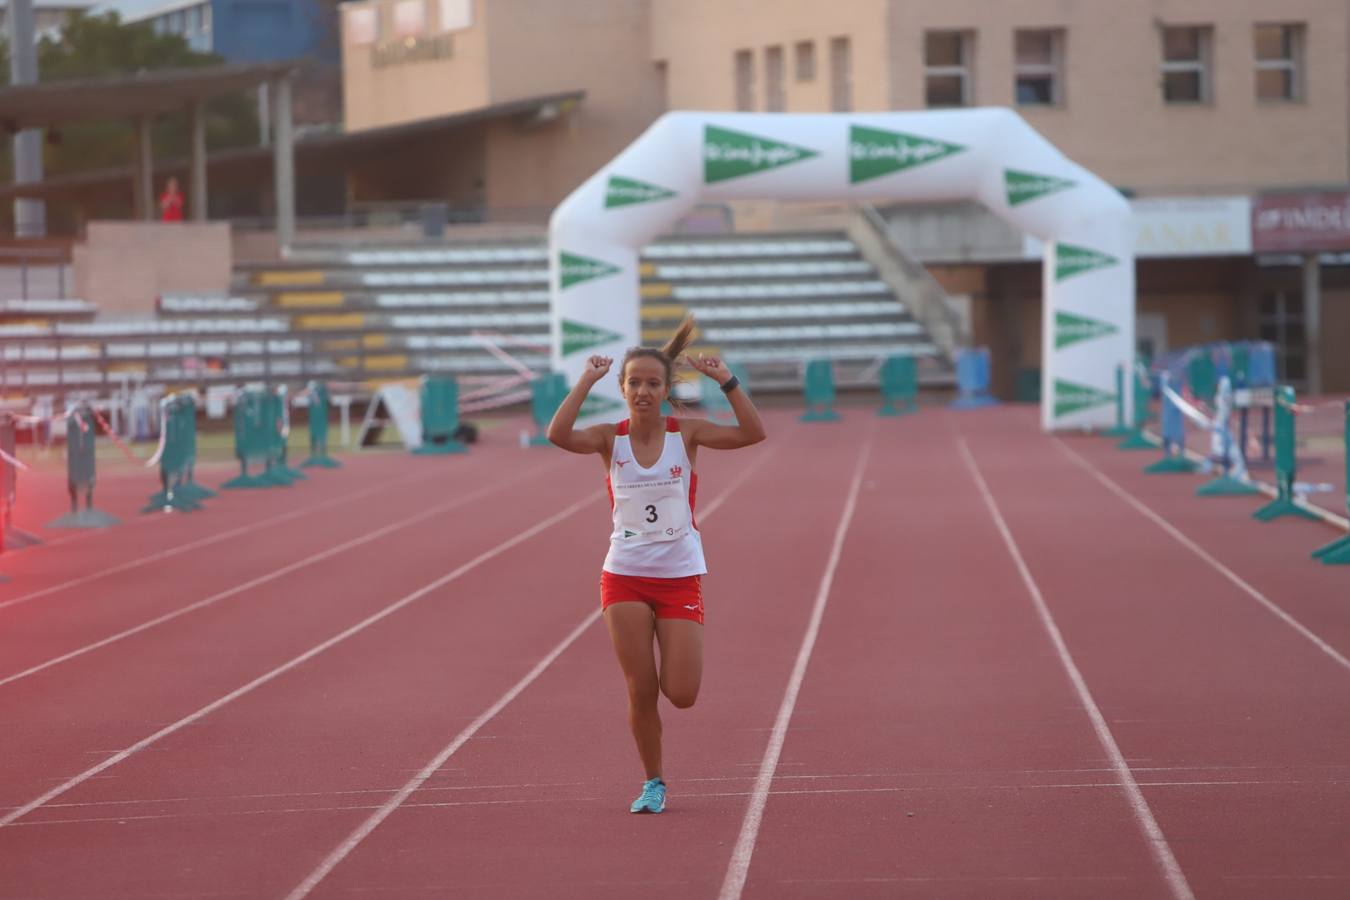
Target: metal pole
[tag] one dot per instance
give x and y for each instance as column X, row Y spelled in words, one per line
column 283, row 162
column 145, row 171
column 198, row 188
column 1312, row 321
column 30, row 216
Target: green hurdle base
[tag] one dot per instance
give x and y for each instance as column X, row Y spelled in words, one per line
column 1281, row 507
column 17, row 538
column 905, row 407
column 1136, row 440
column 1337, row 553
column 85, row 518
column 1226, row 486
column 445, row 448
column 822, row 413
column 320, row 461
column 164, row 501
column 1117, row 431
column 1171, row 465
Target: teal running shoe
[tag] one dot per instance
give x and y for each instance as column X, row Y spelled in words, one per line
column 652, row 799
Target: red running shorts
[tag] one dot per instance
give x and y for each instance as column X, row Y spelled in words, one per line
column 669, row 598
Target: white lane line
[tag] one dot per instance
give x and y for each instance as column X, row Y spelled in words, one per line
column 251, row 528
column 362, row 831
column 1157, row 841
column 739, row 866
column 1199, row 551
column 273, row 575
column 258, row 682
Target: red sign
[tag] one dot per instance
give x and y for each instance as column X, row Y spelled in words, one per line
column 1317, row 221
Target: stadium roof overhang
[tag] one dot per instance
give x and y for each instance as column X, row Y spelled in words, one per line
column 530, row 110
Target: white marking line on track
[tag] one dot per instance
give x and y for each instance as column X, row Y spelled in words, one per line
column 362, row 831
column 739, row 865
column 273, row 575
column 1199, row 551
column 1157, row 841
column 296, row 661
column 207, row 541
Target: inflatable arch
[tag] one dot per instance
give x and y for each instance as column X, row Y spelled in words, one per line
column 990, row 155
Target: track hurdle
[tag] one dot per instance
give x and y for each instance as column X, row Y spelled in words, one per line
column 899, row 386
column 972, row 379
column 317, row 395
column 546, row 395
column 1121, row 429
column 279, row 401
column 257, row 440
column 11, row 536
column 439, row 395
column 1337, row 553
column 1135, row 439
column 715, row 402
column 1232, row 480
column 1174, row 461
column 819, row 392
column 81, row 431
column 1285, row 463
column 177, row 426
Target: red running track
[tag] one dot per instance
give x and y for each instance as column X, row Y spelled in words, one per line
column 435, row 712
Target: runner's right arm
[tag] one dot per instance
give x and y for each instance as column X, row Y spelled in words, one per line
column 585, row 440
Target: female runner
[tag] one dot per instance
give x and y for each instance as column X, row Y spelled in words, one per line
column 650, row 584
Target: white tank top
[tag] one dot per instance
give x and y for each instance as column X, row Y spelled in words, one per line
column 655, row 533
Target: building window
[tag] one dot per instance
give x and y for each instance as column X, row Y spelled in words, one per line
column 194, row 19
column 410, row 18
column 947, row 63
column 805, row 53
column 841, row 75
column 745, row 80
column 774, row 98
column 363, row 25
column 206, row 17
column 1279, row 62
column 1040, row 67
column 1280, row 321
column 1185, row 67
column 455, row 15
column 177, row 23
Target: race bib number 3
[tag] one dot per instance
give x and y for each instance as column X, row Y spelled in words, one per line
column 652, row 511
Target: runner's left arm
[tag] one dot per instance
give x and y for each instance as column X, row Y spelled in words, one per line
column 748, row 428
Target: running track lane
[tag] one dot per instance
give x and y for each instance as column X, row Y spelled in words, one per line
column 937, row 744
column 357, row 718
column 1234, row 723
column 68, row 718
column 49, row 569
column 125, row 596
column 536, row 805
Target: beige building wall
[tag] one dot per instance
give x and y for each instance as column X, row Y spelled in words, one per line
column 1113, row 120
column 374, row 96
column 600, row 46
column 698, row 40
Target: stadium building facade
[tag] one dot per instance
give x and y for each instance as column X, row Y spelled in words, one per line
column 1227, row 123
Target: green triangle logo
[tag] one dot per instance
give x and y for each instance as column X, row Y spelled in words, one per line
column 598, row 406
column 626, row 191
column 1071, row 260
column 578, row 336
column 1024, row 186
column 1070, row 329
column 1071, row 398
column 731, row 154
column 873, row 152
column 576, row 268
column 628, row 534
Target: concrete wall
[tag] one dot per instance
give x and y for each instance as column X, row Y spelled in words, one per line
column 1113, row 120
column 125, row 266
column 418, row 89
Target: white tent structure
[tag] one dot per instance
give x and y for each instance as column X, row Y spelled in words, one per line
column 990, row 155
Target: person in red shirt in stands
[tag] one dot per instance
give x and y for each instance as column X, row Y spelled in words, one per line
column 171, row 202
